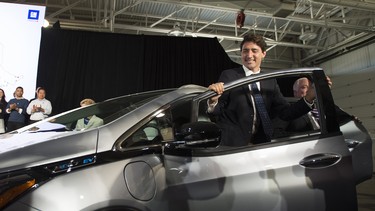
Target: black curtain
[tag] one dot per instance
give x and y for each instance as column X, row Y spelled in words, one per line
column 78, row 64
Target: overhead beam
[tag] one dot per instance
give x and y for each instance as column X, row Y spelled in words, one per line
column 297, row 19
column 65, row 9
column 337, row 47
column 363, row 5
column 166, row 17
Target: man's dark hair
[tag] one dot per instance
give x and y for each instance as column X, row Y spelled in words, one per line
column 257, row 39
column 41, row 88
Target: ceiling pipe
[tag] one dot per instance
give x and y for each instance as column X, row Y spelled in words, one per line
column 286, row 44
column 96, row 27
column 348, row 42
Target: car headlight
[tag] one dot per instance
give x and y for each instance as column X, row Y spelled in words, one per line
column 14, row 184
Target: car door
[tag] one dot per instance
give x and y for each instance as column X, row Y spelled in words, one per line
column 359, row 143
column 309, row 170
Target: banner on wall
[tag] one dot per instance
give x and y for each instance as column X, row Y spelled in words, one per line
column 20, row 27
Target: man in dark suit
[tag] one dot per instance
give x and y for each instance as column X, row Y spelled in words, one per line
column 239, row 120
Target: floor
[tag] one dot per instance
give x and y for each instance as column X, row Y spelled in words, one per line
column 366, row 195
column 366, row 190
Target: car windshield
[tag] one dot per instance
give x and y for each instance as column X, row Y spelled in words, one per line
column 107, row 111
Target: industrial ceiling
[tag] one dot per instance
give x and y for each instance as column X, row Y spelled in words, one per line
column 298, row 32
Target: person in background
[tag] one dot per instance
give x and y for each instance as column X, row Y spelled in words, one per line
column 90, row 121
column 16, row 109
column 308, row 121
column 40, row 107
column 3, row 105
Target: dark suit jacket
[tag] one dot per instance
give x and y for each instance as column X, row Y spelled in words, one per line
column 303, row 123
column 234, row 112
column 300, row 124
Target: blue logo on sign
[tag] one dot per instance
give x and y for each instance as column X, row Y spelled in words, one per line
column 33, row 15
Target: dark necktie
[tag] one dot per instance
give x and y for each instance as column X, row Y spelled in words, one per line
column 262, row 111
column 86, row 120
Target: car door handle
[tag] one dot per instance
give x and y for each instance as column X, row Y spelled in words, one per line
column 320, row 160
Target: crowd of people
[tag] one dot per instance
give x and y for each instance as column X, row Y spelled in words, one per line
column 19, row 112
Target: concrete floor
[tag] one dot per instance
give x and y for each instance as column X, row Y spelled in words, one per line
column 366, row 195
column 366, row 190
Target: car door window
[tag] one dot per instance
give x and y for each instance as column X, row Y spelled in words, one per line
column 306, row 124
column 162, row 127
column 158, row 129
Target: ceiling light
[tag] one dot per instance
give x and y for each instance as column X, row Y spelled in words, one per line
column 176, row 31
column 307, row 33
column 45, row 23
column 307, row 36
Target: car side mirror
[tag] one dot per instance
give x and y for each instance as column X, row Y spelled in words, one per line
column 199, row 134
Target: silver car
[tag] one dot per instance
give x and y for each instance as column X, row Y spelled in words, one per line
column 159, row 150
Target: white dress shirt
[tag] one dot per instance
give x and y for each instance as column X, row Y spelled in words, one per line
column 39, row 115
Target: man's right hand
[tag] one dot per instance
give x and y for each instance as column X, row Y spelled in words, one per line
column 219, row 89
column 12, row 106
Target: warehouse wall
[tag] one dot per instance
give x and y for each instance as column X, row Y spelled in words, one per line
column 353, row 76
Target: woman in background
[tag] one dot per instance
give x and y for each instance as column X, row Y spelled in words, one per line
column 90, row 121
column 3, row 105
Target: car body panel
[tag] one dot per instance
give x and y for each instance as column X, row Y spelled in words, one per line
column 233, row 181
column 105, row 190
column 34, row 149
column 360, row 146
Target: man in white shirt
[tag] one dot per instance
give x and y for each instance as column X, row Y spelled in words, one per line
column 39, row 108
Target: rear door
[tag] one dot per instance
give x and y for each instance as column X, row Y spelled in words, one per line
column 310, row 170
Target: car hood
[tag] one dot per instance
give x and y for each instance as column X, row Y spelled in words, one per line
column 28, row 149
